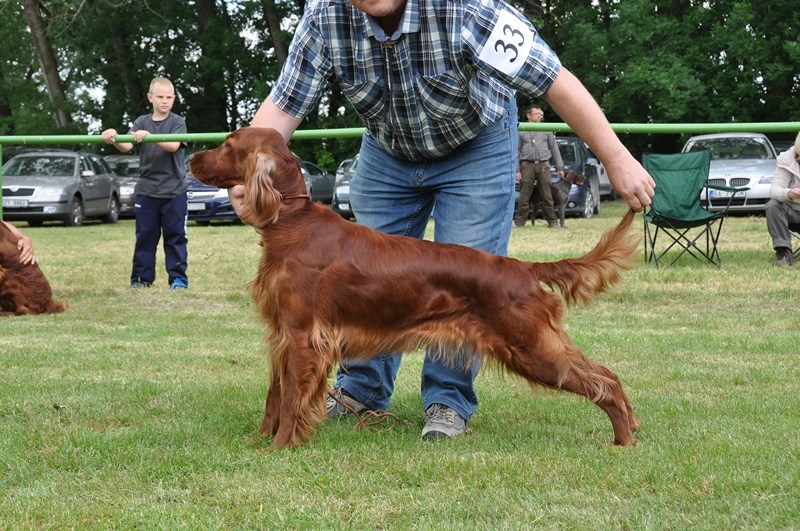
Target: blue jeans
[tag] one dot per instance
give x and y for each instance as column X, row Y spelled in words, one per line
column 472, row 190
column 154, row 215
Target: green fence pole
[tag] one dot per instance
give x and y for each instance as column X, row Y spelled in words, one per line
column 313, row 134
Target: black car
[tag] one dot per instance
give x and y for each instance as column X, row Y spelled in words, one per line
column 59, row 185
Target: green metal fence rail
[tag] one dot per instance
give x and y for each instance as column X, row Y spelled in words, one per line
column 312, row 134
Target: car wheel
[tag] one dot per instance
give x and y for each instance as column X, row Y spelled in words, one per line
column 75, row 216
column 113, row 212
column 588, row 204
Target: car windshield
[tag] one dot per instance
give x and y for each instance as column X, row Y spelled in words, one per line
column 42, row 166
column 125, row 168
column 733, row 148
column 569, row 154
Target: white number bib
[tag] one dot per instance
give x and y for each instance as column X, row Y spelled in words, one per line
column 508, row 45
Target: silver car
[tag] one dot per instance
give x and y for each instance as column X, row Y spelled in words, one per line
column 738, row 160
column 126, row 168
column 59, row 185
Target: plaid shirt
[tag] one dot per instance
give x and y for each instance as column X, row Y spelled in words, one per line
column 450, row 70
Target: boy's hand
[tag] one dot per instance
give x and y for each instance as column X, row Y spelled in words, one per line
column 140, row 135
column 109, row 135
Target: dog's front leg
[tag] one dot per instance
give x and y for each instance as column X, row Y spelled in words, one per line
column 304, row 382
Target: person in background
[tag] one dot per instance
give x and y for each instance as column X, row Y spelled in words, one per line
column 537, row 151
column 23, row 244
column 161, row 202
column 435, row 83
column 783, row 207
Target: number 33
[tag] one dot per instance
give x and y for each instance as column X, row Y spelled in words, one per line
column 512, row 35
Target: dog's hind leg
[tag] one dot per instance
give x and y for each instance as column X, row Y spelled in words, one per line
column 553, row 361
column 601, row 386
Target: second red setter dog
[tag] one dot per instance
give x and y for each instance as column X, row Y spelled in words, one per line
column 24, row 290
column 328, row 288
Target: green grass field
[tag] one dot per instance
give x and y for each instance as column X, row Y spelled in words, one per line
column 139, row 409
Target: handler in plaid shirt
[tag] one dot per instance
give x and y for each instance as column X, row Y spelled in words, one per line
column 434, row 82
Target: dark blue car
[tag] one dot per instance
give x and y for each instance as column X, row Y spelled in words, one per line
column 208, row 203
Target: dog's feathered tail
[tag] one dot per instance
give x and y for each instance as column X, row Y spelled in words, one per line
column 580, row 279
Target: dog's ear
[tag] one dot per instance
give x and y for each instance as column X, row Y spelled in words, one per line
column 262, row 202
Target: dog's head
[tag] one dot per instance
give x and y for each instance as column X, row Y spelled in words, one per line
column 259, row 159
column 574, row 177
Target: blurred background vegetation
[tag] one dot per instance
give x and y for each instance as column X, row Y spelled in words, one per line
column 78, row 66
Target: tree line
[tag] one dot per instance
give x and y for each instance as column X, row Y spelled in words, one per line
column 78, row 66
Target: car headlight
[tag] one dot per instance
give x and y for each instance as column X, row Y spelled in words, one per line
column 49, row 193
column 767, row 179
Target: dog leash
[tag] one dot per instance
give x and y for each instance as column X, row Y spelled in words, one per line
column 368, row 418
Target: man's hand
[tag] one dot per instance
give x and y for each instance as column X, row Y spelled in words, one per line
column 632, row 182
column 236, row 195
column 25, row 251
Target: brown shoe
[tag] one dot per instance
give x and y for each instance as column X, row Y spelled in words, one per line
column 783, row 257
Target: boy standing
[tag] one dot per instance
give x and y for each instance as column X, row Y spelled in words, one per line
column 160, row 190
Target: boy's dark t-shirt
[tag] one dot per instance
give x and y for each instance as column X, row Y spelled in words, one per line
column 161, row 174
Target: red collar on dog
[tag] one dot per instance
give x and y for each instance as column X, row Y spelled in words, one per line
column 300, row 196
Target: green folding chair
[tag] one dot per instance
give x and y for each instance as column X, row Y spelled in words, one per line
column 794, row 228
column 676, row 211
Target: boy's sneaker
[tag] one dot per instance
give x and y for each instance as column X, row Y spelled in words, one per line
column 442, row 421
column 179, row 283
column 340, row 403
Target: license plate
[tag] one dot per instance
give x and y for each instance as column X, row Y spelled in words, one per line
column 196, row 206
column 15, row 203
column 719, row 194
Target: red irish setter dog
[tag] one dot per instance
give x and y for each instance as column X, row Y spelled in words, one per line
column 328, row 288
column 23, row 288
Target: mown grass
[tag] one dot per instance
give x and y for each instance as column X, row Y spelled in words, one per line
column 139, row 409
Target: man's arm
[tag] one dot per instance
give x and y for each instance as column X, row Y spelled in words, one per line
column 269, row 115
column 570, row 99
